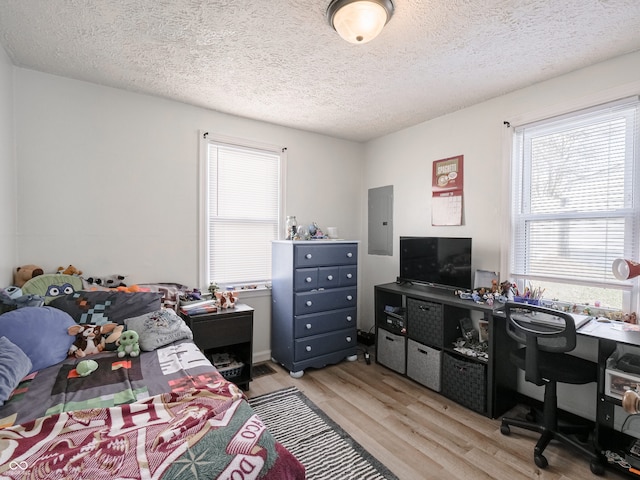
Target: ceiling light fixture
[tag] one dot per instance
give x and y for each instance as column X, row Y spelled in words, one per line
column 359, row 21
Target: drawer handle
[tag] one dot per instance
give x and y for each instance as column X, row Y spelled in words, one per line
column 349, row 255
column 308, row 326
column 349, row 318
column 349, row 275
column 308, row 279
column 329, row 277
column 423, row 308
column 423, row 351
column 349, row 297
column 308, row 348
column 309, row 303
column 308, row 256
column 349, row 339
column 390, row 339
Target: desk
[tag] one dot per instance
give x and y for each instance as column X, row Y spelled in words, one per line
column 610, row 416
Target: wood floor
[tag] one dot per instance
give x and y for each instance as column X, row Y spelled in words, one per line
column 419, row 434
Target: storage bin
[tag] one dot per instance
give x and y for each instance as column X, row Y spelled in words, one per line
column 425, row 322
column 465, row 382
column 423, row 364
column 391, row 350
column 617, row 381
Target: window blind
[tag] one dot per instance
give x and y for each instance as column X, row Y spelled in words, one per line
column 575, row 195
column 242, row 212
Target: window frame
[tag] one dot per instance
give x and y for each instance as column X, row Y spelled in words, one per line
column 205, row 139
column 516, row 161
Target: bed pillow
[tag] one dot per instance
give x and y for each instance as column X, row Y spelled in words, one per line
column 52, row 285
column 159, row 328
column 40, row 332
column 105, row 307
column 14, row 366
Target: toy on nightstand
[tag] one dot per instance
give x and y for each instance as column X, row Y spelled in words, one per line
column 129, row 344
column 227, row 299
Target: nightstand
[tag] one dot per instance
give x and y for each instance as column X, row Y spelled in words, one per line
column 228, row 331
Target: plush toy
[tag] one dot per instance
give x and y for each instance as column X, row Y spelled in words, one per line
column 89, row 338
column 25, row 273
column 13, row 296
column 110, row 281
column 112, row 340
column 86, row 367
column 70, row 270
column 129, row 344
column 227, row 299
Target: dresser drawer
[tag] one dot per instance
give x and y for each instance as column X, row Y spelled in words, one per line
column 348, row 275
column 317, row 345
column 322, row 254
column 321, row 300
column 317, row 323
column 305, row 279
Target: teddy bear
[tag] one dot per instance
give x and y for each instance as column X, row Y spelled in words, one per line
column 70, row 270
column 25, row 273
column 129, row 344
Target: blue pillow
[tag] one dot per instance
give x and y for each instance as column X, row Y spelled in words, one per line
column 40, row 332
column 14, row 366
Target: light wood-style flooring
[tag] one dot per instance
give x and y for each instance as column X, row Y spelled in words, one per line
column 418, row 433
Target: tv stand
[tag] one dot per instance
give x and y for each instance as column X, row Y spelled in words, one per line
column 416, row 339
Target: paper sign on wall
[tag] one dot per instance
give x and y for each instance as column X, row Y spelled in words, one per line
column 447, row 189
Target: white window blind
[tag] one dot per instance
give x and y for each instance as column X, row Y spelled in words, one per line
column 242, row 212
column 575, row 195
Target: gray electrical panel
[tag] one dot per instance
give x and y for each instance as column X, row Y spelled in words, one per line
column 381, row 220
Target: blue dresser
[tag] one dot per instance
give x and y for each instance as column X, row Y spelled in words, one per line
column 314, row 303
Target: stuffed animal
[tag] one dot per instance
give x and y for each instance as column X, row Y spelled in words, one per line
column 227, row 299
column 110, row 281
column 129, row 344
column 25, row 273
column 86, row 367
column 89, row 338
column 70, row 270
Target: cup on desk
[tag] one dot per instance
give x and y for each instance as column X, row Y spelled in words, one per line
column 332, row 232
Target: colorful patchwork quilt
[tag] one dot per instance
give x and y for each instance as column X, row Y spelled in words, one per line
column 165, row 414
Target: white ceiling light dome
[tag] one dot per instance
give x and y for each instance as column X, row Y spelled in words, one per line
column 359, row 21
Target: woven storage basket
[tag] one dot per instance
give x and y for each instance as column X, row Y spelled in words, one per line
column 464, row 382
column 425, row 322
column 423, row 364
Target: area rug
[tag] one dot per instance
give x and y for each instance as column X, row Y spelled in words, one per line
column 325, row 449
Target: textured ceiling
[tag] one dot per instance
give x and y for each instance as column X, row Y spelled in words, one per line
column 280, row 62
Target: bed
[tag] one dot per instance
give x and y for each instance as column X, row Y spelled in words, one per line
column 167, row 413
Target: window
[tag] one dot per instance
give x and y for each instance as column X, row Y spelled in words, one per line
column 575, row 204
column 241, row 209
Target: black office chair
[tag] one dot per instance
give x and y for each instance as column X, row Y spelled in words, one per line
column 547, row 336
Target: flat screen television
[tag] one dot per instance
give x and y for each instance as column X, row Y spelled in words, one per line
column 438, row 261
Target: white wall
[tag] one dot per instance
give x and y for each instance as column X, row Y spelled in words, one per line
column 108, row 181
column 404, row 160
column 8, row 202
